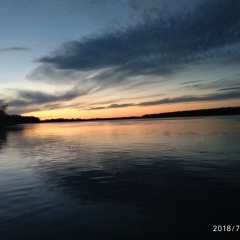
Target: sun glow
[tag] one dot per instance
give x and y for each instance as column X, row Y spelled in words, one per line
column 128, row 111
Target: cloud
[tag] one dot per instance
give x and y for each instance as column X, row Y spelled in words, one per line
column 195, row 81
column 162, row 46
column 230, row 83
column 26, row 98
column 229, row 89
column 113, row 106
column 181, row 99
column 2, row 102
column 15, row 49
column 186, row 99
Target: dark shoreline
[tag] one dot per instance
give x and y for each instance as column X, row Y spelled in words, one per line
column 11, row 120
column 191, row 113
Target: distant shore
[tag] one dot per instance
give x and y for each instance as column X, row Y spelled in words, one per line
column 9, row 120
column 178, row 114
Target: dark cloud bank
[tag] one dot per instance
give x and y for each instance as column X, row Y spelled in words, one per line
column 158, row 46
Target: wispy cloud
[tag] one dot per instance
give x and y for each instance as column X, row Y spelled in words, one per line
column 15, row 49
column 229, row 89
column 231, row 83
column 190, row 98
column 113, row 106
column 41, row 100
column 2, row 102
column 188, row 82
column 181, row 99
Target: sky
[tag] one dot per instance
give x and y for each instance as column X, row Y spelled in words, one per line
column 117, row 58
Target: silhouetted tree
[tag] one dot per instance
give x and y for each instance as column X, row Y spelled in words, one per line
column 3, row 109
column 7, row 120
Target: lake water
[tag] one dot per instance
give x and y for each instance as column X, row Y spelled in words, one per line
column 131, row 179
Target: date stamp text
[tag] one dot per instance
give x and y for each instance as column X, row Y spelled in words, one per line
column 226, row 228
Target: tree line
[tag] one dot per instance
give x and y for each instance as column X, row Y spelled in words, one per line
column 7, row 120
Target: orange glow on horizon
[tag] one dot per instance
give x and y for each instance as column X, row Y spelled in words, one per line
column 129, row 111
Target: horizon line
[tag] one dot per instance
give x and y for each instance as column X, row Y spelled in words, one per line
column 195, row 112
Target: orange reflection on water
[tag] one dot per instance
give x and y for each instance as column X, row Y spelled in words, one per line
column 127, row 134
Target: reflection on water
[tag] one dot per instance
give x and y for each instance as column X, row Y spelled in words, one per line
column 136, row 179
column 4, row 132
column 3, row 137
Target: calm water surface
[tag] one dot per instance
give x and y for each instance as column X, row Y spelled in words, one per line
column 132, row 179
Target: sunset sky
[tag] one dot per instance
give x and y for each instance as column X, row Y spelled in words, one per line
column 112, row 58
